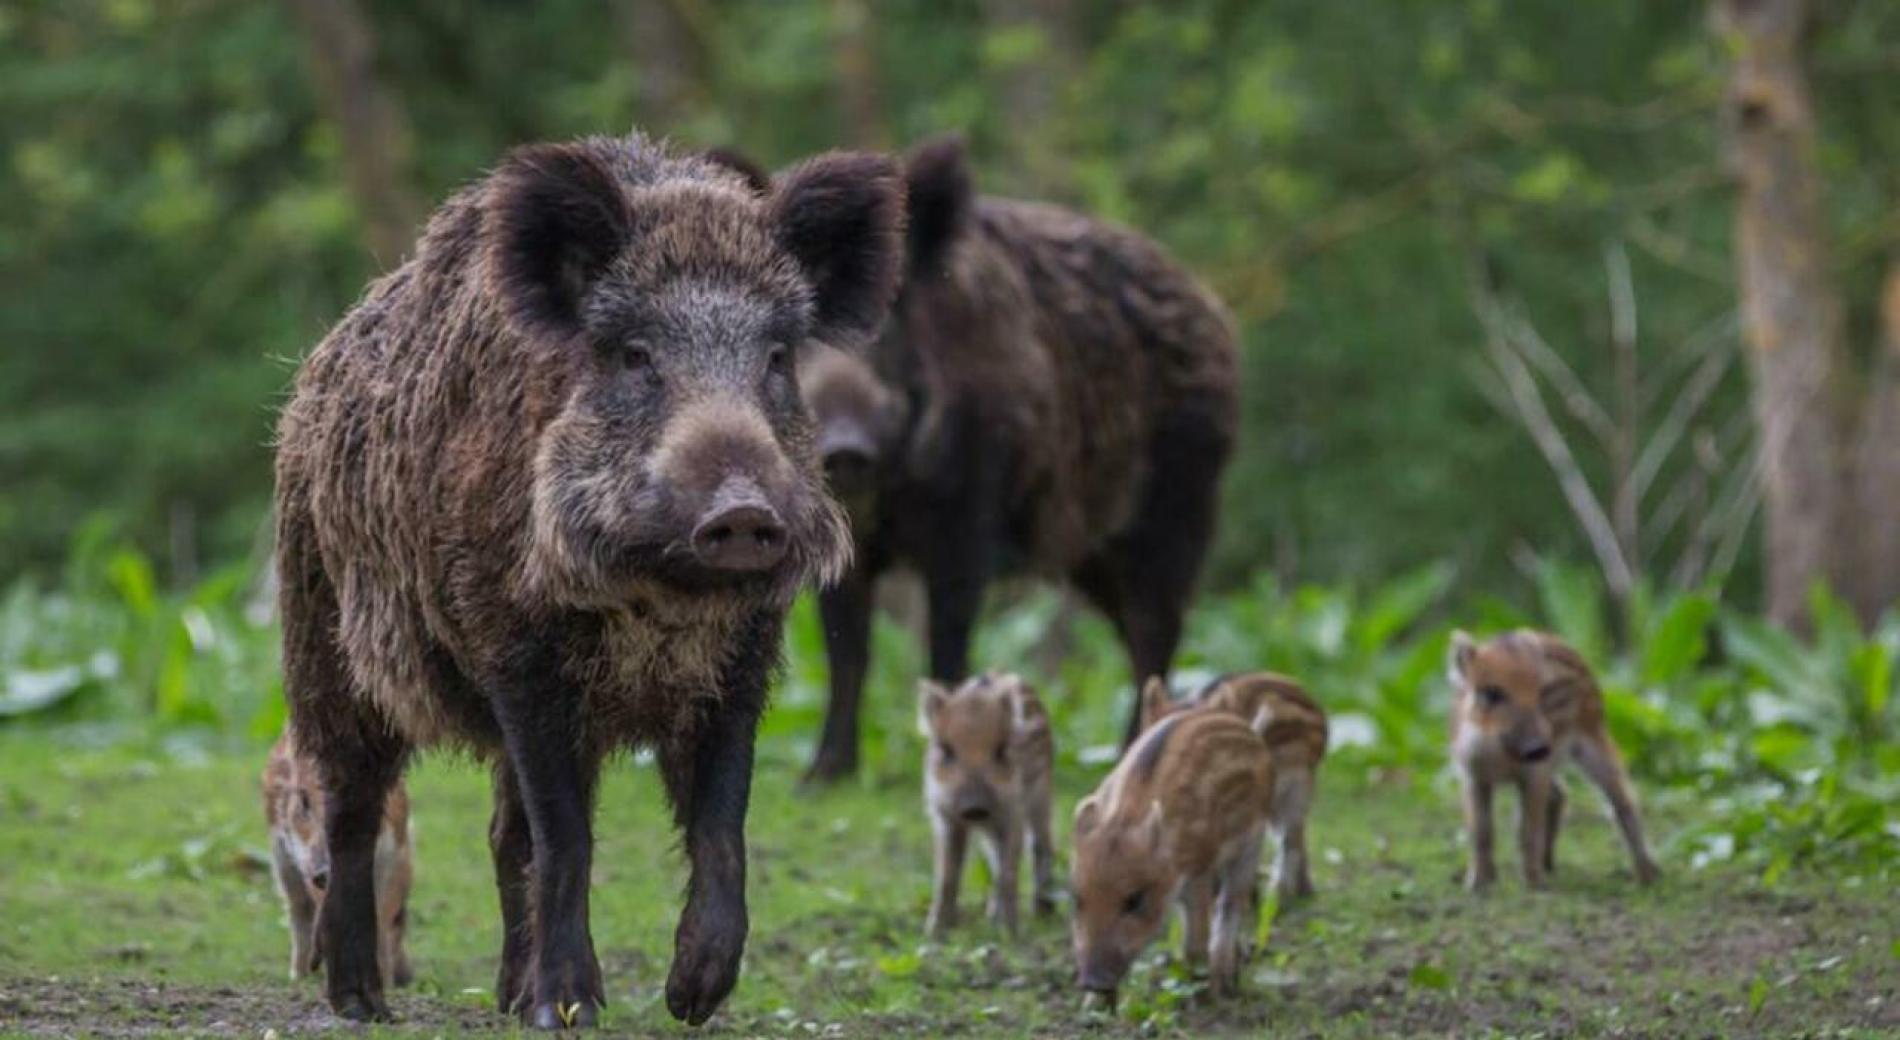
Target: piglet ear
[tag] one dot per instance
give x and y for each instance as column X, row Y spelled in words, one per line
column 1088, row 813
column 931, row 696
column 554, row 218
column 1458, row 659
column 1023, row 716
column 841, row 216
column 1155, row 701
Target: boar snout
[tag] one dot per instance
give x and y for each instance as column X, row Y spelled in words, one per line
column 973, row 802
column 739, row 530
column 1100, row 980
column 1529, row 743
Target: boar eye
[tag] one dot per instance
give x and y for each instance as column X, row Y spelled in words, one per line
column 636, row 357
column 1134, row 904
column 1002, row 754
column 945, row 750
column 1491, row 696
column 779, row 358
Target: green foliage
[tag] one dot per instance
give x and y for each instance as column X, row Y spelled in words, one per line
column 107, row 644
column 1793, row 743
column 175, row 222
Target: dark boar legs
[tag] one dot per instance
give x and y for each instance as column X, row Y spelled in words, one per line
column 709, row 779
column 1143, row 579
column 554, row 784
column 513, row 848
column 359, row 759
column 845, row 610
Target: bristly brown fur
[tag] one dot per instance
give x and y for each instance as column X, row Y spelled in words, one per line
column 1523, row 703
column 1071, row 401
column 546, row 492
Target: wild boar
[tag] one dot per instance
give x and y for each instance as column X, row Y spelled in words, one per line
column 300, row 858
column 987, row 764
column 547, row 492
column 1066, row 400
column 1294, row 727
column 1180, row 818
column 1523, row 702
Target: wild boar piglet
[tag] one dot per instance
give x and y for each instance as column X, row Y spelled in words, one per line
column 1522, row 702
column 1294, row 727
column 294, row 809
column 1181, row 817
column 986, row 769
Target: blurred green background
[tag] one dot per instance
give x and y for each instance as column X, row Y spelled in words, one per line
column 185, row 208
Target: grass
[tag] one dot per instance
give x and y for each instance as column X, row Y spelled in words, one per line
column 134, row 900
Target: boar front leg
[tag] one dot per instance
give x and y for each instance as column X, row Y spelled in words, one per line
column 1483, row 869
column 1042, row 851
column 845, row 610
column 710, row 783
column 952, row 840
column 1533, row 830
column 301, row 909
column 1003, row 845
column 1197, row 910
column 359, row 759
column 1233, row 913
column 512, row 847
column 555, row 778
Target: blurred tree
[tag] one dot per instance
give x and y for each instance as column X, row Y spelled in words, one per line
column 854, row 37
column 668, row 40
column 370, row 121
column 1830, row 433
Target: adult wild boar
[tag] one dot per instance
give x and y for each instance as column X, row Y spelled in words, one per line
column 546, row 493
column 1051, row 394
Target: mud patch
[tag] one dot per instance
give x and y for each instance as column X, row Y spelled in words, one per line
column 134, row 1008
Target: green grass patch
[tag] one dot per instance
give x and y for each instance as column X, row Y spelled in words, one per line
column 134, row 900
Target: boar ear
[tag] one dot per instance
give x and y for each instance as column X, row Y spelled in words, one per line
column 755, row 175
column 931, row 696
column 1088, row 813
column 841, row 216
column 1458, row 659
column 1021, row 696
column 941, row 193
column 1155, row 701
column 555, row 217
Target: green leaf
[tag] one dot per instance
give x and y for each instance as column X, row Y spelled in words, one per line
column 1573, row 602
column 1757, row 994
column 900, row 966
column 1399, row 603
column 1677, row 641
column 1427, row 975
column 1269, row 909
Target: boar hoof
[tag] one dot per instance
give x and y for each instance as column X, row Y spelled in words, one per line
column 1647, row 873
column 1478, row 883
column 361, row 1007
column 706, row 954
column 556, row 1014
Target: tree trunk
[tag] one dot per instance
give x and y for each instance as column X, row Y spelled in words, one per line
column 1877, row 469
column 1031, row 82
column 669, row 60
column 854, row 49
column 1791, row 307
column 370, row 123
